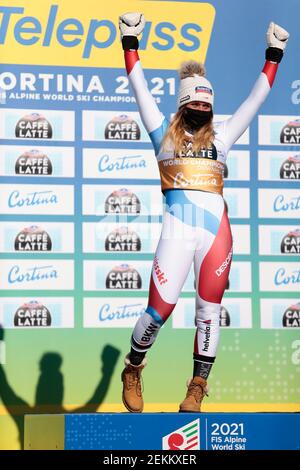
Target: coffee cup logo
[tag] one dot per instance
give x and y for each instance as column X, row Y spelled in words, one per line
column 290, row 133
column 32, row 314
column 123, row 277
column 33, row 238
column 122, row 201
column 122, row 127
column 290, row 169
column 33, row 126
column 123, row 239
column 291, row 317
column 33, row 162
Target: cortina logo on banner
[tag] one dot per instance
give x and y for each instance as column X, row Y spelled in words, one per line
column 283, row 204
column 111, row 313
column 124, row 163
column 33, row 126
column 291, row 317
column 33, row 238
column 123, row 239
column 290, row 169
column 34, row 274
column 283, row 278
column 34, row 162
column 123, row 277
column 32, row 314
column 290, row 134
column 185, row 438
column 122, row 128
column 291, row 243
column 122, row 201
column 224, row 319
column 35, row 198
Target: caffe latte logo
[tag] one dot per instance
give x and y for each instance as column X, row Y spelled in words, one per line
column 291, row 317
column 290, row 133
column 122, row 127
column 32, row 314
column 290, row 169
column 205, row 152
column 291, row 243
column 122, row 201
column 33, row 238
column 33, row 162
column 123, row 277
column 33, row 126
column 122, row 239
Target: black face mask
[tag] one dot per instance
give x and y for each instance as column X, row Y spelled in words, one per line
column 194, row 118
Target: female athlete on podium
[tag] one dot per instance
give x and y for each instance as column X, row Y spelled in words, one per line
column 191, row 152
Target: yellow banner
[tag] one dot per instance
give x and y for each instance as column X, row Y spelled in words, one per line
column 65, row 32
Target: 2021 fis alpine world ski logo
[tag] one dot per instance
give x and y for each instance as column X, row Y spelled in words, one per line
column 185, row 438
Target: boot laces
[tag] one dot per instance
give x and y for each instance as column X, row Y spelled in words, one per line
column 134, row 380
column 197, row 391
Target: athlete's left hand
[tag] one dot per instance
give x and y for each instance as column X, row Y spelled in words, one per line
column 277, row 36
column 131, row 24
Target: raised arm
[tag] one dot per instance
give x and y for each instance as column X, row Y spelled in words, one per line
column 235, row 126
column 131, row 25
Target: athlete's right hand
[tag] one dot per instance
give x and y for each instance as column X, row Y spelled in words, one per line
column 277, row 36
column 131, row 24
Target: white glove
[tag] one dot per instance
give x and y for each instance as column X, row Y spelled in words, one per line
column 131, row 24
column 277, row 36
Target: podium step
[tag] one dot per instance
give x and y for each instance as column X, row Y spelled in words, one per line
column 167, row 431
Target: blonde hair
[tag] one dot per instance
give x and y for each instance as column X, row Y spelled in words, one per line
column 204, row 137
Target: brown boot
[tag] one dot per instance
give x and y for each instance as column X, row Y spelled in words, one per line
column 132, row 389
column 197, row 388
